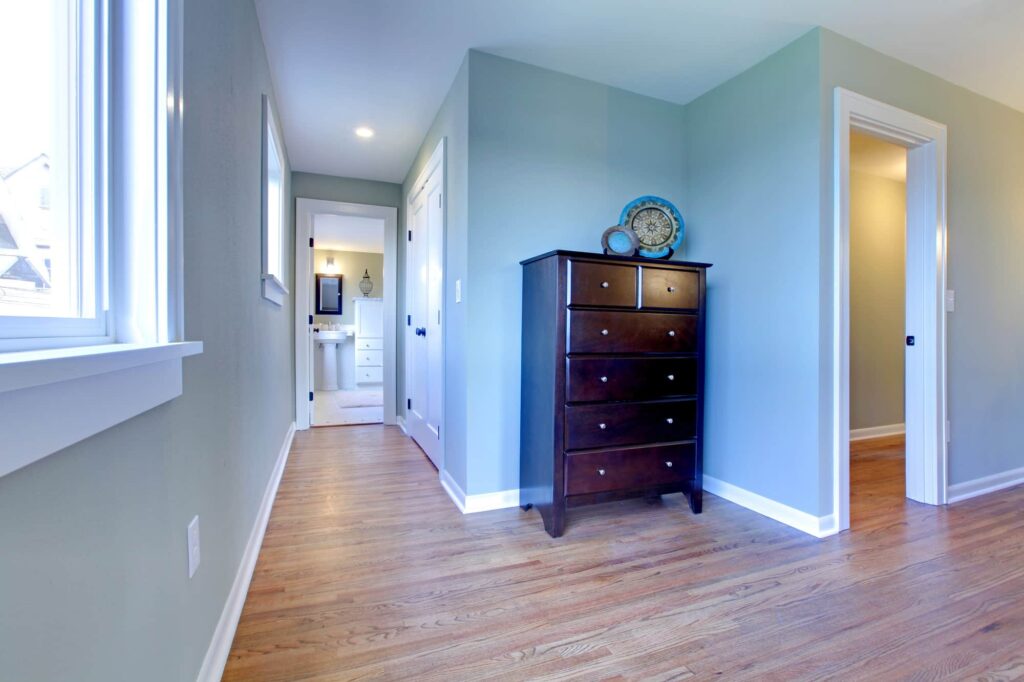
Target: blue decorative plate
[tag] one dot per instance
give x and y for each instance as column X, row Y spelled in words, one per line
column 657, row 224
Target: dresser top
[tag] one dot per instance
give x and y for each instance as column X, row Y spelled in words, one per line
column 616, row 259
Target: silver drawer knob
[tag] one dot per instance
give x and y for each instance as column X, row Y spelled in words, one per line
column 604, row 332
column 602, row 426
column 671, row 289
column 669, row 420
column 668, row 464
column 604, row 380
column 600, row 472
column 671, row 332
column 671, row 377
column 604, row 285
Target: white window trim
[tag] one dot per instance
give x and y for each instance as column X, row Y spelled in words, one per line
column 51, row 398
column 274, row 289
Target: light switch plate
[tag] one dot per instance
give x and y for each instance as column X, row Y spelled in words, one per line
column 950, row 300
column 193, row 546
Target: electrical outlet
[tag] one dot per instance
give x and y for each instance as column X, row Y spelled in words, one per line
column 193, row 546
column 458, row 291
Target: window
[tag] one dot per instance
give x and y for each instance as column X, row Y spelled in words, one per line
column 90, row 218
column 51, row 259
column 273, row 208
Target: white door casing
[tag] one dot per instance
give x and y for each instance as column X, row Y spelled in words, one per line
column 926, row 425
column 425, row 300
column 305, row 212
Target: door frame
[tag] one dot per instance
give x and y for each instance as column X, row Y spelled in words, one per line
column 305, row 211
column 927, row 428
column 437, row 161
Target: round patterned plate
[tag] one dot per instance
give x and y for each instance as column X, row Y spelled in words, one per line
column 657, row 224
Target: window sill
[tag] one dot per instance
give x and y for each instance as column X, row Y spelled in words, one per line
column 50, row 399
column 274, row 289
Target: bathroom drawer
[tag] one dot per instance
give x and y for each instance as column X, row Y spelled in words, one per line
column 369, row 358
column 364, row 343
column 369, row 375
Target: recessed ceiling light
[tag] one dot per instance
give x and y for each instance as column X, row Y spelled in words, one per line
column 363, row 131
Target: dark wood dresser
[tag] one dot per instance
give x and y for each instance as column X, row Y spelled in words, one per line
column 612, row 381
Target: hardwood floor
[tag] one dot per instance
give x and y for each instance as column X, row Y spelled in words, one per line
column 368, row 571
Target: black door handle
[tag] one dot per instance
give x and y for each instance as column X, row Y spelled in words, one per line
column 421, row 331
column 911, row 340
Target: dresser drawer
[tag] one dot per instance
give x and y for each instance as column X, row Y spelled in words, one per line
column 630, row 469
column 609, row 331
column 609, row 425
column 603, row 379
column 602, row 284
column 369, row 375
column 664, row 288
column 369, row 358
column 369, row 343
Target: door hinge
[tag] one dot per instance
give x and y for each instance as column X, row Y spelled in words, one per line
column 439, row 201
column 311, row 242
column 311, row 319
column 408, row 403
column 439, row 316
column 410, row 235
column 408, row 320
column 311, row 396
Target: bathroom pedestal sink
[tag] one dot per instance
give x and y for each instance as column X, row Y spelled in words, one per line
column 328, row 341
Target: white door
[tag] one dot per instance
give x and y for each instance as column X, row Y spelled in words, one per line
column 424, row 296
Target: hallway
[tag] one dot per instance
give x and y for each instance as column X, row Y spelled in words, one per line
column 369, row 571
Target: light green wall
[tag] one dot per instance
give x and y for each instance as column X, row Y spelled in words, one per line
column 451, row 124
column 552, row 161
column 878, row 212
column 351, row 265
column 93, row 580
column 351, row 190
column 985, row 216
column 753, row 210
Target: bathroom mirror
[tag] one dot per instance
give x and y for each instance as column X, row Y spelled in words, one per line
column 328, row 294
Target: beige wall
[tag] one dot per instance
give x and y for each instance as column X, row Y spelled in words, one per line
column 351, row 265
column 877, row 299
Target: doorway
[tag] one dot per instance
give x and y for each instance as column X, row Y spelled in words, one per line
column 345, row 339
column 424, row 296
column 878, row 219
column 924, row 340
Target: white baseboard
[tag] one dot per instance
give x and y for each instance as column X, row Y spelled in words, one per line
column 818, row 526
column 878, row 431
column 400, row 420
column 470, row 504
column 986, row 484
column 220, row 645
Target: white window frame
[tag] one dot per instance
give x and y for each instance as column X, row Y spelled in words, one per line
column 86, row 209
column 52, row 397
column 274, row 289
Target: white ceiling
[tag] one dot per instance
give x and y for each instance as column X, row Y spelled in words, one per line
column 387, row 64
column 871, row 155
column 348, row 233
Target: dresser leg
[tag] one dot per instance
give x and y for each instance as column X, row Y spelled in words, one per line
column 696, row 497
column 554, row 521
column 526, row 507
